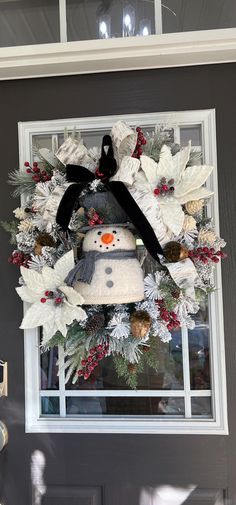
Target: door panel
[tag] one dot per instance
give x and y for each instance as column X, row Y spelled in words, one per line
column 67, row 495
column 164, row 495
column 122, row 465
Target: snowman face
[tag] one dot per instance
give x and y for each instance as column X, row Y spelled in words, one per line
column 109, row 238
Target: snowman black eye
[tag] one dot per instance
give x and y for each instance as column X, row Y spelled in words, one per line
column 114, row 231
column 99, row 232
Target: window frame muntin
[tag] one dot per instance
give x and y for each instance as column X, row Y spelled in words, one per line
column 218, row 425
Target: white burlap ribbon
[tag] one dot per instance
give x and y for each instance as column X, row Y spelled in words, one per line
column 184, row 275
column 124, row 140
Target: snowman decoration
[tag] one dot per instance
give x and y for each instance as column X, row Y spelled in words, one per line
column 109, row 272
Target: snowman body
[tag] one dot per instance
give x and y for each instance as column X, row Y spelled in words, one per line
column 117, row 277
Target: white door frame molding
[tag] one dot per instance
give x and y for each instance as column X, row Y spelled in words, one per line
column 217, row 425
column 130, row 53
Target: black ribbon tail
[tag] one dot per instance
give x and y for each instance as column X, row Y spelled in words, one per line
column 67, row 204
column 136, row 216
column 81, row 176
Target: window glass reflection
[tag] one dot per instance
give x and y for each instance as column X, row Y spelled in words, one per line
column 50, row 406
column 191, row 15
column 29, row 22
column 103, row 19
column 201, row 406
column 125, row 406
column 49, row 369
column 199, row 356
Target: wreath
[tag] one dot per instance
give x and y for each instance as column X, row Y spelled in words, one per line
column 114, row 246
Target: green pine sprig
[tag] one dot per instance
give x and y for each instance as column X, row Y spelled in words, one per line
column 23, row 182
column 12, row 228
column 121, row 366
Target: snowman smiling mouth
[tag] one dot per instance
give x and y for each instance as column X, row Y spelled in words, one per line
column 108, row 239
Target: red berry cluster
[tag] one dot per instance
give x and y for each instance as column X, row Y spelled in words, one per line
column 96, row 354
column 169, row 317
column 141, row 141
column 18, row 258
column 37, row 174
column 206, row 254
column 51, row 295
column 94, row 218
column 164, row 188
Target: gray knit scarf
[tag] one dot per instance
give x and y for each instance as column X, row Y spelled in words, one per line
column 84, row 269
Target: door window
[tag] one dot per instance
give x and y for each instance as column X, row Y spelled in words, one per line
column 186, row 392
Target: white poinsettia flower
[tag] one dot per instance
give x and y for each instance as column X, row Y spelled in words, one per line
column 173, row 184
column 54, row 304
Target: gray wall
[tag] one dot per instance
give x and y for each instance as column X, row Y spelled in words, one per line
column 122, row 464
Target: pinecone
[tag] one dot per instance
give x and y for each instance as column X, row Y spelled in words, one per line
column 194, row 206
column 206, row 237
column 189, row 223
column 25, row 225
column 42, row 240
column 174, row 251
column 140, row 323
column 94, row 324
column 132, row 368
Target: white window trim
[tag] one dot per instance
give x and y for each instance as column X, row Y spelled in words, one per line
column 118, row 54
column 217, row 425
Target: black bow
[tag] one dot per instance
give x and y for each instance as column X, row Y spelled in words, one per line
column 107, row 167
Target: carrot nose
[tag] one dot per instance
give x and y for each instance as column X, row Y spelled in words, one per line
column 107, row 238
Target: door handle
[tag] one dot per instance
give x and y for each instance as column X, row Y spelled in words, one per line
column 3, row 435
column 3, row 378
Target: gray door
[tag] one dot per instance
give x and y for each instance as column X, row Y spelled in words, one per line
column 105, row 469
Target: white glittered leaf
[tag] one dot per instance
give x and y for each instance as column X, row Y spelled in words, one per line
column 49, row 278
column 180, row 161
column 27, row 295
column 193, row 178
column 33, row 279
column 165, row 167
column 72, row 296
column 64, row 265
column 61, row 320
column 71, row 313
column 37, row 315
column 49, row 330
column 197, row 194
column 149, row 167
column 173, row 217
